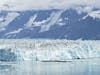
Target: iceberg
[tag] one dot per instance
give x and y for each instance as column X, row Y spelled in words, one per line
column 48, row 50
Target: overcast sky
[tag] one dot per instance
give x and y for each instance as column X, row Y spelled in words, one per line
column 45, row 4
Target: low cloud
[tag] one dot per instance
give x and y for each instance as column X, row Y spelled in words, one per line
column 45, row 4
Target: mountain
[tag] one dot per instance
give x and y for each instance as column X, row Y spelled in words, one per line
column 50, row 24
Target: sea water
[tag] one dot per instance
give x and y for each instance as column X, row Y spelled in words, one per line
column 71, row 67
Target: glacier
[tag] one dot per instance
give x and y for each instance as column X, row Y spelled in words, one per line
column 48, row 50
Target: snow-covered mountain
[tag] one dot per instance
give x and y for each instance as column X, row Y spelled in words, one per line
column 50, row 24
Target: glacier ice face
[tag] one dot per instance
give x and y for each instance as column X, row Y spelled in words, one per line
column 50, row 50
column 7, row 55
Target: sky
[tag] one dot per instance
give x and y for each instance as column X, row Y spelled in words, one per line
column 45, row 4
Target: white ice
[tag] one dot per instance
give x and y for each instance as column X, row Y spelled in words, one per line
column 52, row 50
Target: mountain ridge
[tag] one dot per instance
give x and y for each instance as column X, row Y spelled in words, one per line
column 50, row 24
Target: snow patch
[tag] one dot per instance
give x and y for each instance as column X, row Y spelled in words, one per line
column 4, row 21
column 14, row 32
column 93, row 14
column 53, row 20
column 30, row 23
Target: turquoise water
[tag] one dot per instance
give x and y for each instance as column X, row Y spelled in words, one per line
column 72, row 67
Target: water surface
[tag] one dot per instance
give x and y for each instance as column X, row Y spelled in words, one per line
column 72, row 67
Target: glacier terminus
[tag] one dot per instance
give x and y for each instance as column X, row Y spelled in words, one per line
column 48, row 50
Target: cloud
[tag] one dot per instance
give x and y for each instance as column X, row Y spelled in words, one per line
column 44, row 4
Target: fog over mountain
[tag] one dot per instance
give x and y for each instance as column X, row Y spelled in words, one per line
column 45, row 4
